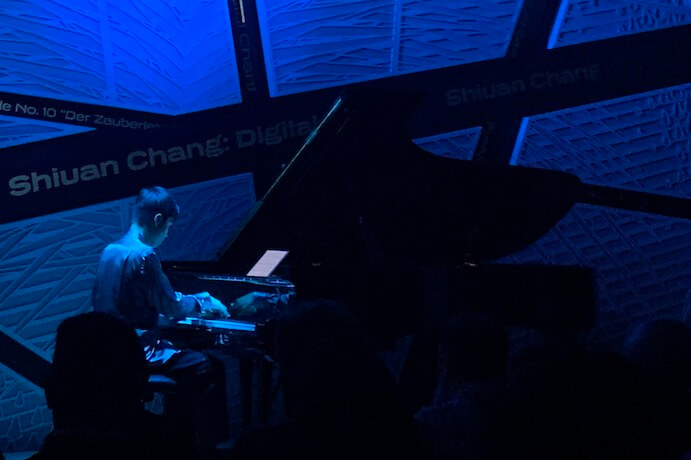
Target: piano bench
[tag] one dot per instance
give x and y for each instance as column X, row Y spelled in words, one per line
column 157, row 388
column 161, row 384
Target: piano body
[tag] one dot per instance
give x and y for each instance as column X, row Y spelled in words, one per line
column 374, row 220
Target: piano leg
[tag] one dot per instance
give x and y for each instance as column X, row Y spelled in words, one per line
column 265, row 389
column 246, row 374
column 256, row 371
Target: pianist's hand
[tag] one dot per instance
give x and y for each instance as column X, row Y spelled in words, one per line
column 213, row 308
column 252, row 304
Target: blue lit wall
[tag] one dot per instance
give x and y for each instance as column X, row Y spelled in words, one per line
column 210, row 212
column 48, row 268
column 15, row 130
column 312, row 44
column 25, row 418
column 457, row 144
column 642, row 263
column 640, row 142
column 162, row 56
column 581, row 21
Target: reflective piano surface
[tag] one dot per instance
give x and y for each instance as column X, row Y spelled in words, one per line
column 190, row 278
column 238, row 335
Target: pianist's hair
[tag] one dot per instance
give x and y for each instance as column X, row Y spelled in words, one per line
column 152, row 201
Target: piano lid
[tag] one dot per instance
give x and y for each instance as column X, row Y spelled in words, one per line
column 359, row 191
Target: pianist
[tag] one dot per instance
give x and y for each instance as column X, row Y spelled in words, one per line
column 130, row 285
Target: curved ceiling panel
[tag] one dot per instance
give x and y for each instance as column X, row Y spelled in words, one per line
column 16, row 130
column 312, row 44
column 168, row 57
column 581, row 21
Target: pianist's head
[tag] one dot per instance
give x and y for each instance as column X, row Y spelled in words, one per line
column 154, row 212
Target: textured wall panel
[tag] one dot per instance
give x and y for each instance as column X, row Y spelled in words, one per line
column 210, row 213
column 312, row 44
column 47, row 268
column 457, row 144
column 642, row 262
column 15, row 130
column 159, row 56
column 444, row 33
column 640, row 142
column 581, row 21
column 24, row 418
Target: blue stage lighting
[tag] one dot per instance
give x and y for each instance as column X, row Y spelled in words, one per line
column 16, row 130
column 457, row 144
column 161, row 56
column 639, row 142
column 581, row 21
column 313, row 44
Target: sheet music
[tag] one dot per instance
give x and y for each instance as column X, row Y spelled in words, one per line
column 267, row 263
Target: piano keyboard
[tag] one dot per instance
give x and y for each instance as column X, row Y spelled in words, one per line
column 276, row 282
column 218, row 324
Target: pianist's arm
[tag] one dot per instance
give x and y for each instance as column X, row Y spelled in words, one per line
column 171, row 304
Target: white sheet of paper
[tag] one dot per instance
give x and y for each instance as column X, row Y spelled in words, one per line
column 267, row 263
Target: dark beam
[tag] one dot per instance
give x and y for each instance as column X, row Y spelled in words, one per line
column 248, row 50
column 23, row 361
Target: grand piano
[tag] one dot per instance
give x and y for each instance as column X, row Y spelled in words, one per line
column 405, row 237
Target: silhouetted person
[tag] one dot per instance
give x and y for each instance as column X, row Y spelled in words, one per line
column 662, row 347
column 470, row 393
column 96, row 390
column 572, row 404
column 661, row 350
column 341, row 400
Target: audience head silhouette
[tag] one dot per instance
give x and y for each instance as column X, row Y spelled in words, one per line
column 662, row 347
column 96, row 390
column 473, row 347
column 98, row 369
column 341, row 399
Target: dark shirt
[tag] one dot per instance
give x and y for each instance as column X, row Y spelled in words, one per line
column 461, row 421
column 140, row 436
column 130, row 284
